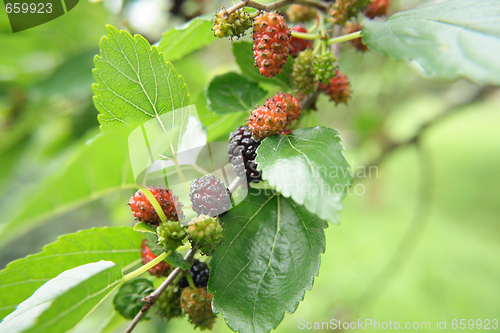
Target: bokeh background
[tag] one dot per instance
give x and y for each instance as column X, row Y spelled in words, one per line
column 420, row 244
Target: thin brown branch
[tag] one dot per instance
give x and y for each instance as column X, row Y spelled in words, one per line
column 151, row 299
column 390, row 146
column 275, row 5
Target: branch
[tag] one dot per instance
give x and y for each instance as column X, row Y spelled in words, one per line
column 273, row 6
column 391, row 146
column 151, row 299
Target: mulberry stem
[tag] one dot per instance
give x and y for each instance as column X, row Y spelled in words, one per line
column 344, row 38
column 275, row 5
column 303, row 35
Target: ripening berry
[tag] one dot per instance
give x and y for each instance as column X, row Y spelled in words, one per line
column 377, row 8
column 271, row 38
column 241, row 151
column 298, row 44
column 144, row 211
column 197, row 304
column 338, row 88
column 268, row 119
column 356, row 42
column 209, row 196
column 343, row 10
column 160, row 269
column 299, row 13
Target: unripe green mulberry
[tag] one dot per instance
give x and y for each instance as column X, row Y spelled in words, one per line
column 197, row 304
column 232, row 25
column 303, row 73
column 169, row 303
column 170, row 235
column 205, row 233
column 324, row 67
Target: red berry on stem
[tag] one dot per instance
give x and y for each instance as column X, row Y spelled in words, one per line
column 144, row 211
column 377, row 8
column 271, row 37
column 338, row 88
column 299, row 44
column 160, row 269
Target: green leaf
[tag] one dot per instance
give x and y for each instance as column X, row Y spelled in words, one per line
column 134, row 83
column 22, row 277
column 454, row 39
column 100, row 167
column 61, row 303
column 218, row 127
column 175, row 260
column 128, row 299
column 180, row 41
column 269, row 257
column 307, row 165
column 243, row 53
column 232, row 92
column 145, row 227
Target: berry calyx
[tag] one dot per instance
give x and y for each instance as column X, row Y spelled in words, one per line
column 209, row 196
column 298, row 44
column 267, row 120
column 303, row 78
column 197, row 304
column 205, row 234
column 338, row 88
column 144, row 211
column 232, row 25
column 170, row 235
column 324, row 67
column 299, row 13
column 271, row 37
column 377, row 8
column 199, row 273
column 168, row 304
column 160, row 269
column 356, row 42
column 241, row 151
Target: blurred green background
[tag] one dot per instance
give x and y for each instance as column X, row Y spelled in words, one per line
column 420, row 244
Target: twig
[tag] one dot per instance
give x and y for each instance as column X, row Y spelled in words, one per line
column 273, row 6
column 390, row 146
column 151, row 299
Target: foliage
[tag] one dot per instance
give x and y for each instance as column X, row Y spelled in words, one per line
column 274, row 235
